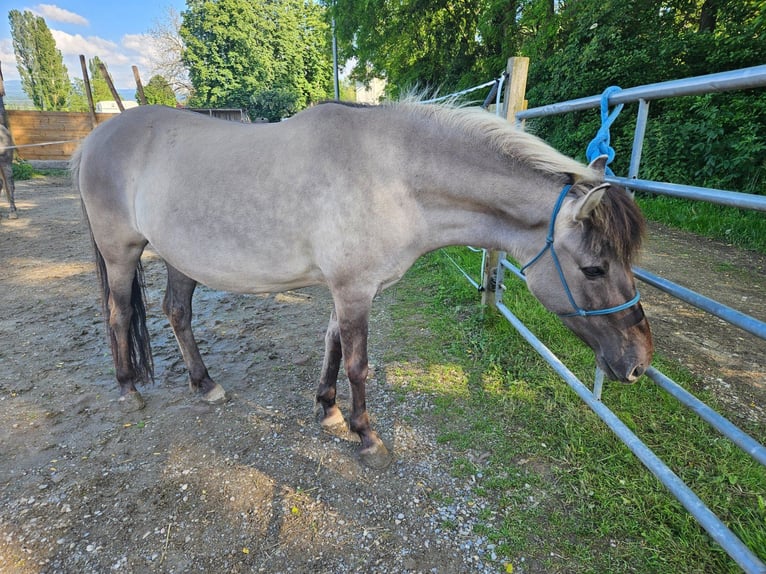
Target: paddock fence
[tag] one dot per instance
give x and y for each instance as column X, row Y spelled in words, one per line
column 49, row 136
column 496, row 269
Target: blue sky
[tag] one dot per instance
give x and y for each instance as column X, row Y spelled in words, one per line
column 116, row 32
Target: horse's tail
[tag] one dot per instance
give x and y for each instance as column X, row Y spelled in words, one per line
column 139, row 346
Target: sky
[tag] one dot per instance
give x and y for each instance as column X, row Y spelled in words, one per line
column 116, row 32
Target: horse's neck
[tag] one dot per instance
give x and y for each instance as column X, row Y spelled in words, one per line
column 472, row 199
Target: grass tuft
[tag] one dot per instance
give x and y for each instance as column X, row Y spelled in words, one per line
column 742, row 228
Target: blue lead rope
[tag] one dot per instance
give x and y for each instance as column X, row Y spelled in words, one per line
column 600, row 145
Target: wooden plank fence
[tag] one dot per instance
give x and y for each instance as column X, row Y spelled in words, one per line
column 30, row 128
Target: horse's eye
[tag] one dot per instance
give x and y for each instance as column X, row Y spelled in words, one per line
column 593, row 272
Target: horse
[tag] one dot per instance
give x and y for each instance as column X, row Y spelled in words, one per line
column 348, row 196
column 6, row 169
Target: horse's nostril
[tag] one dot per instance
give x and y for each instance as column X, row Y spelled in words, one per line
column 637, row 371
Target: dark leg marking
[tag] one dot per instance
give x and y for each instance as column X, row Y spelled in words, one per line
column 177, row 306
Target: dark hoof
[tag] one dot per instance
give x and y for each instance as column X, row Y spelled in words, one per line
column 215, row 396
column 376, row 456
column 131, row 402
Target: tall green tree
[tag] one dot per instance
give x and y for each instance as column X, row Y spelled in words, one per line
column 159, row 91
column 715, row 140
column 422, row 43
column 256, row 54
column 44, row 77
column 98, row 85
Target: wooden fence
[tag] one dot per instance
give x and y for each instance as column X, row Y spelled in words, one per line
column 30, row 128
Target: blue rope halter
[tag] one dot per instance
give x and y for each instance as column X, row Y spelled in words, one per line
column 600, row 145
column 578, row 311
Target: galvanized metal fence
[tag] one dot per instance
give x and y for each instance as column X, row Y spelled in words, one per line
column 727, row 81
column 754, row 77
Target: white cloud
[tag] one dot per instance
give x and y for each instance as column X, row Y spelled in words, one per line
column 118, row 57
column 8, row 58
column 77, row 44
column 56, row 14
column 131, row 50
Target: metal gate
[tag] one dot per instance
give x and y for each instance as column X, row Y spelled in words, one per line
column 736, row 80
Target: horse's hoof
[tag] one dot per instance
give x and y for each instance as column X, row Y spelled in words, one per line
column 376, row 456
column 13, row 215
column 334, row 419
column 131, row 402
column 215, row 396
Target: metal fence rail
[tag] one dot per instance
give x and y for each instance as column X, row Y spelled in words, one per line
column 706, row 518
column 727, row 81
column 747, row 78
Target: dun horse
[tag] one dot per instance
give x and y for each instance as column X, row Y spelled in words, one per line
column 349, row 197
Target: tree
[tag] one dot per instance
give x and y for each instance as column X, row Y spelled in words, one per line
column 436, row 44
column 98, row 85
column 159, row 91
column 78, row 100
column 242, row 52
column 715, row 140
column 167, row 56
column 43, row 75
column 273, row 105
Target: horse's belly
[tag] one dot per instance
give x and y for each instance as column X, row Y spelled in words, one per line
column 257, row 282
column 226, row 270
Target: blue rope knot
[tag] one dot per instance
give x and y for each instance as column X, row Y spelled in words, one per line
column 599, row 145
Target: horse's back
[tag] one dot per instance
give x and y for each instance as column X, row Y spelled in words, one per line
column 316, row 199
column 234, row 206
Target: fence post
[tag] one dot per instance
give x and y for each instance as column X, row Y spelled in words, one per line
column 88, row 92
column 515, row 90
column 139, row 86
column 108, row 78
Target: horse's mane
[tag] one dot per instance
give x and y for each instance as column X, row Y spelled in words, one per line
column 616, row 222
column 505, row 138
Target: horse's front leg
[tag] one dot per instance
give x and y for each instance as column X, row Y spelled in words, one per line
column 177, row 306
column 332, row 417
column 353, row 320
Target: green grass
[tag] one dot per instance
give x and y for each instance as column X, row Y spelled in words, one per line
column 594, row 507
column 743, row 228
column 23, row 170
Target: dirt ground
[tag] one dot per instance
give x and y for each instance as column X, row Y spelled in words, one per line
column 254, row 485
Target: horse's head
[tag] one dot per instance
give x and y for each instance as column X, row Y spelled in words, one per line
column 583, row 274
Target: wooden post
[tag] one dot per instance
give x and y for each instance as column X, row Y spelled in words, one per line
column 115, row 95
column 515, row 90
column 139, row 86
column 88, row 91
column 516, row 87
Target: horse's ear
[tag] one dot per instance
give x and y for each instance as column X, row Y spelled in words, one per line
column 599, row 164
column 585, row 205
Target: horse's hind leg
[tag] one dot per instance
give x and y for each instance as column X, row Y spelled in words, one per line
column 331, row 415
column 126, row 318
column 177, row 306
